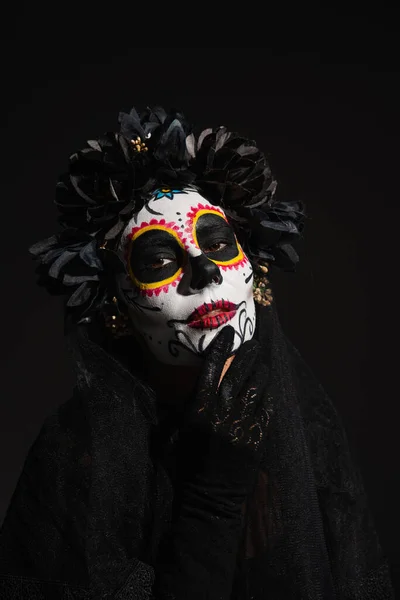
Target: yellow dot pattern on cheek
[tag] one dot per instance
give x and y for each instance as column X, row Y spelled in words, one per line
column 224, row 263
column 162, row 282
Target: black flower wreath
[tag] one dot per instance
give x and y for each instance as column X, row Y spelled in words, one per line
column 113, row 176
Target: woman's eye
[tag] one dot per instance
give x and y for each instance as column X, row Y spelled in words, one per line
column 160, row 262
column 215, row 247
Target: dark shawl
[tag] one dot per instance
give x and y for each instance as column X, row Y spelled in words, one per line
column 96, row 494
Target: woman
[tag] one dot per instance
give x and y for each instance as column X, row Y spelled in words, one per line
column 198, row 457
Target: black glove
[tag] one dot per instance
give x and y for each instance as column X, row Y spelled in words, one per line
column 221, row 440
column 220, row 447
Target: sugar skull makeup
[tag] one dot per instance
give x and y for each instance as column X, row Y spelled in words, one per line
column 188, row 276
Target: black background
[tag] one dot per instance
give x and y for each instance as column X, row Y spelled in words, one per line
column 325, row 112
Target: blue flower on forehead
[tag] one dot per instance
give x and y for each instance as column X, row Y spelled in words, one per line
column 166, row 193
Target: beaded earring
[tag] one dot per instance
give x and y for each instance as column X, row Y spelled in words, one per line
column 262, row 294
column 116, row 321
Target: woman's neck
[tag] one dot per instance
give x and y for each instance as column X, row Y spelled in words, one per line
column 173, row 384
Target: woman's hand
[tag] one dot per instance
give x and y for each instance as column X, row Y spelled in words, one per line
column 224, row 428
column 221, row 442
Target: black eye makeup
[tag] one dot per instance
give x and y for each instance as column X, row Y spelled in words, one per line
column 155, row 256
column 215, row 237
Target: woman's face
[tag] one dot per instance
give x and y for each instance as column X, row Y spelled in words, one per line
column 188, row 276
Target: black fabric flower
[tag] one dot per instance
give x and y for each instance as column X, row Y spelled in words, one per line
column 112, row 177
column 163, row 133
column 72, row 264
column 269, row 231
column 231, row 170
column 99, row 183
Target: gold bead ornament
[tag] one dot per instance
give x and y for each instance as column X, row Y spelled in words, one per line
column 262, row 294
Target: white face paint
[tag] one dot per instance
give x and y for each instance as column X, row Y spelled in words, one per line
column 188, row 276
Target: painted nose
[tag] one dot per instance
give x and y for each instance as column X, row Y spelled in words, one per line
column 204, row 272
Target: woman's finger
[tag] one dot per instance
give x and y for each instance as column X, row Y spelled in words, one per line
column 216, row 356
column 240, row 369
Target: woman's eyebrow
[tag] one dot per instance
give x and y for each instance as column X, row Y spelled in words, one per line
column 207, row 227
column 154, row 241
column 158, row 243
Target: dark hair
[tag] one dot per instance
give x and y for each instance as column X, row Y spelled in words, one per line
column 113, row 176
